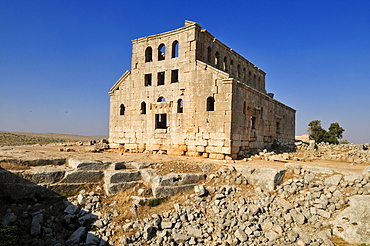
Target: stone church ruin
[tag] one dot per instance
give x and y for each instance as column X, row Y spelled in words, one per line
column 187, row 93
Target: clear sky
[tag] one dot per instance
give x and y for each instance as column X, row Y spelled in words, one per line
column 58, row 59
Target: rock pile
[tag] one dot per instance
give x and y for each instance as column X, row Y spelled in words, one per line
column 300, row 211
column 235, row 205
column 359, row 153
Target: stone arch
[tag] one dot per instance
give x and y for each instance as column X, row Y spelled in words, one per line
column 180, row 106
column 148, row 54
column 143, row 108
column 175, row 49
column 210, row 104
column 161, row 52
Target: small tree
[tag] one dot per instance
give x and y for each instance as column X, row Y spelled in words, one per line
column 319, row 134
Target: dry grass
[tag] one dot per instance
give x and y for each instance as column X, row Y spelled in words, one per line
column 13, row 139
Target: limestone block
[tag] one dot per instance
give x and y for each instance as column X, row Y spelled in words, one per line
column 132, row 146
column 112, row 189
column 173, row 179
column 333, row 180
column 216, row 156
column 175, row 152
column 212, row 149
column 87, row 164
column 366, row 172
column 201, row 148
column 352, row 224
column 265, row 177
column 121, row 176
column 192, row 154
column 226, row 150
column 167, row 191
column 320, row 170
column 48, row 177
column 215, row 142
column 82, row 176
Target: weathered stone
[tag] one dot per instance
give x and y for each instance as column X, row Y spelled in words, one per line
column 74, row 176
column 241, row 235
column 333, row 180
column 366, row 172
column 76, row 237
column 180, row 237
column 37, row 220
column 9, row 219
column 87, row 219
column 199, row 190
column 194, row 232
column 353, row 223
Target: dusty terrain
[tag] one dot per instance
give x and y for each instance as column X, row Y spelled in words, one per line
column 119, row 207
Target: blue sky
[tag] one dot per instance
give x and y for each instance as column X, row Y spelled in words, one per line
column 58, row 59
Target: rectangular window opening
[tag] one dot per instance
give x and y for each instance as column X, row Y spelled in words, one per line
column 161, row 121
column 148, row 79
column 160, row 78
column 175, row 76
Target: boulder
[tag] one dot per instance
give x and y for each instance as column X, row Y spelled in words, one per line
column 265, row 177
column 353, row 223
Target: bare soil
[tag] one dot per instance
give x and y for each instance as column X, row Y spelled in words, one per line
column 164, row 163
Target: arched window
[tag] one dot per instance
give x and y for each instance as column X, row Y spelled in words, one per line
column 238, row 71
column 217, row 60
column 161, row 52
column 254, row 80
column 148, row 54
column 122, row 109
column 224, row 64
column 231, row 67
column 250, row 77
column 175, row 49
column 244, row 107
column 258, row 82
column 180, row 106
column 143, row 107
column 210, row 104
column 161, row 99
column 244, row 74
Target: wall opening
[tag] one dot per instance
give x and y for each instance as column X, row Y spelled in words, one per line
column 231, row 67
column 161, row 52
column 161, row 99
column 148, row 54
column 175, row 76
column 210, row 104
column 175, row 49
column 180, row 106
column 217, row 60
column 122, row 109
column 148, row 79
column 209, row 54
column 143, row 108
column 161, row 121
column 253, row 122
column 238, row 71
column 224, row 64
column 244, row 107
column 160, row 78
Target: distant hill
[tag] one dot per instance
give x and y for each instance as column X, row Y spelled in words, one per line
column 27, row 138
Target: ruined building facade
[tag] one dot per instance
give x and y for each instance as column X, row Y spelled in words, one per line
column 189, row 94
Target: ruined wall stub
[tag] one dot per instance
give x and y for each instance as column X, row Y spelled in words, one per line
column 189, row 94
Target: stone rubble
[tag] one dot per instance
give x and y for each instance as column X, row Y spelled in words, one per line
column 235, row 205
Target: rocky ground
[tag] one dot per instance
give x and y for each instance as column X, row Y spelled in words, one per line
column 300, row 198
